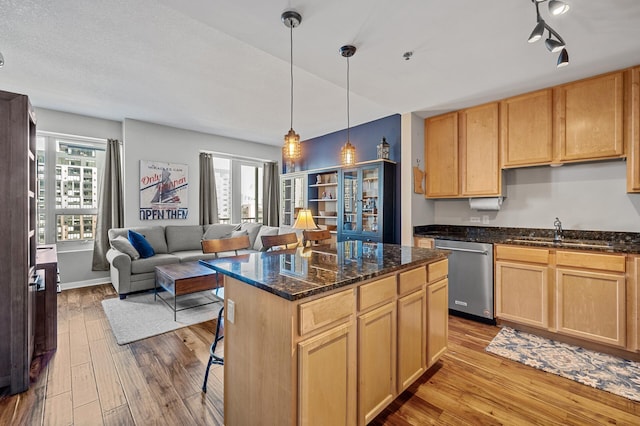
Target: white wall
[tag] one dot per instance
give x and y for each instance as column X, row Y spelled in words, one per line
column 75, row 265
column 416, row 210
column 149, row 141
column 587, row 196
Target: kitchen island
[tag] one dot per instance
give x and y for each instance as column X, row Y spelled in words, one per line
column 329, row 334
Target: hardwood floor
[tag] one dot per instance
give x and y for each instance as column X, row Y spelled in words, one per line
column 90, row 379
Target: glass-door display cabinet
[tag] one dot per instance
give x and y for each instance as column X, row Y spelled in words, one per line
column 293, row 189
column 366, row 202
column 323, row 198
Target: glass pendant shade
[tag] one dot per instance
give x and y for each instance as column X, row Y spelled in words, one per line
column 291, row 149
column 348, row 154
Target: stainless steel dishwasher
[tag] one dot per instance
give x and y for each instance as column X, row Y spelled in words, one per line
column 470, row 277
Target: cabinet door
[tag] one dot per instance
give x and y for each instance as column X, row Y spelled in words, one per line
column 411, row 338
column 423, row 242
column 326, row 378
column 437, row 320
column 441, row 155
column 292, row 190
column 522, row 293
column 376, row 361
column 633, row 106
column 591, row 305
column 479, row 166
column 526, row 125
column 370, row 199
column 589, row 118
column 349, row 201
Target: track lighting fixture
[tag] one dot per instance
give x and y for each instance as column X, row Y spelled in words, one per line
column 1, row 60
column 291, row 150
column 554, row 42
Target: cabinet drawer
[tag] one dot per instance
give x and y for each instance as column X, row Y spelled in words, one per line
column 412, row 280
column 377, row 292
column 522, row 254
column 605, row 262
column 438, row 270
column 327, row 310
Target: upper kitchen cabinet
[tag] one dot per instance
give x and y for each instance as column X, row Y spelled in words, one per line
column 293, row 188
column 441, row 155
column 589, row 120
column 633, row 129
column 461, row 153
column 527, row 129
column 480, row 173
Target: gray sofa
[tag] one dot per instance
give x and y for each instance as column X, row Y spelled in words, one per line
column 173, row 244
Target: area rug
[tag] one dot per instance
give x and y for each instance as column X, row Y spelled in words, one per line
column 139, row 316
column 595, row 369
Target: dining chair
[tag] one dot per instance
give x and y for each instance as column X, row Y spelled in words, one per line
column 315, row 236
column 285, row 241
column 216, row 247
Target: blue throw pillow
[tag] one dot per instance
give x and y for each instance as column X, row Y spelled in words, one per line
column 140, row 243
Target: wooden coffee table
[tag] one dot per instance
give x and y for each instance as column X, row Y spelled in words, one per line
column 184, row 278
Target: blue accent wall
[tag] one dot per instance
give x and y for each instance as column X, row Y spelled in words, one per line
column 324, row 151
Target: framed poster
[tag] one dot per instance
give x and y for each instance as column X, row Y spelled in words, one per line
column 163, row 190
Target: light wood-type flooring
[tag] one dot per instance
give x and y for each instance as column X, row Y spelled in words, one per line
column 92, row 380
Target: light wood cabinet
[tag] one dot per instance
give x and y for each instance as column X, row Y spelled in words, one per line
column 441, row 156
column 589, row 118
column 575, row 293
column 437, row 322
column 632, row 106
column 527, row 129
column 376, row 361
column 411, row 338
column 480, row 173
column 327, row 378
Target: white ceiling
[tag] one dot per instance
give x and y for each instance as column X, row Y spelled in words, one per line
column 222, row 67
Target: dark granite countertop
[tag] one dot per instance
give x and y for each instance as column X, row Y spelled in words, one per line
column 597, row 241
column 303, row 272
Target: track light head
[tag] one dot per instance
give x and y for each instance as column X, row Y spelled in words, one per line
column 563, row 59
column 558, row 7
column 1, row 60
column 537, row 32
column 553, row 45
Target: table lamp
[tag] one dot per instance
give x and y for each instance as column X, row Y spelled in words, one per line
column 304, row 221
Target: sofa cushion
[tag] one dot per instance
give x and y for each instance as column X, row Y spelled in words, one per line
column 139, row 242
column 183, row 237
column 148, row 265
column 153, row 234
column 264, row 230
column 122, row 244
column 193, row 255
column 218, row 230
column 252, row 229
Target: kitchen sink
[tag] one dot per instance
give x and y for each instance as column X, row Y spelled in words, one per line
column 545, row 241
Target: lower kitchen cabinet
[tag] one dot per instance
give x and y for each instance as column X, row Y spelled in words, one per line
column 522, row 293
column 411, row 338
column 438, row 321
column 376, row 361
column 569, row 292
column 327, row 385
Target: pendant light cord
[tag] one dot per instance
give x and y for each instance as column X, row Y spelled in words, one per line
column 348, row 99
column 291, row 62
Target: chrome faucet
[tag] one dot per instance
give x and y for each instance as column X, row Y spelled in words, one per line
column 557, row 234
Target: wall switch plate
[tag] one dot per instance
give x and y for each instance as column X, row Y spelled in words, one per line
column 474, row 219
column 231, row 311
column 485, row 219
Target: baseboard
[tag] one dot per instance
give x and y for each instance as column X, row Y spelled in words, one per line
column 85, row 283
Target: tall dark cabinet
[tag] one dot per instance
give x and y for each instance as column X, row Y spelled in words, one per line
column 17, row 240
column 366, row 202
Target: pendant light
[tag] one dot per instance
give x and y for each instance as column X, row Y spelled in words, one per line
column 291, row 149
column 348, row 152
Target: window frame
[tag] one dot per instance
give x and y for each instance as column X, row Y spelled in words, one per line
column 235, row 177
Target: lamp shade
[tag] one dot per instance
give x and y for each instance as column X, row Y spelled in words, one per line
column 305, row 220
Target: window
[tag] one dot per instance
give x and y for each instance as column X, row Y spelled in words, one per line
column 69, row 169
column 239, row 190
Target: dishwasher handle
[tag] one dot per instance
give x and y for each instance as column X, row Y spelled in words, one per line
column 483, row 252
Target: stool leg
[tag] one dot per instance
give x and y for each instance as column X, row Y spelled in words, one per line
column 214, row 359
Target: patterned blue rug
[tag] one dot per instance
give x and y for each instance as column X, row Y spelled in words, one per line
column 595, row 369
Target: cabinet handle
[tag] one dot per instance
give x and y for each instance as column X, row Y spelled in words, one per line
column 484, row 252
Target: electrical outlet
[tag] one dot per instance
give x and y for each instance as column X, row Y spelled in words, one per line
column 474, row 219
column 231, row 311
column 485, row 219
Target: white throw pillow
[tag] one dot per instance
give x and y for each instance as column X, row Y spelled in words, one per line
column 122, row 244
